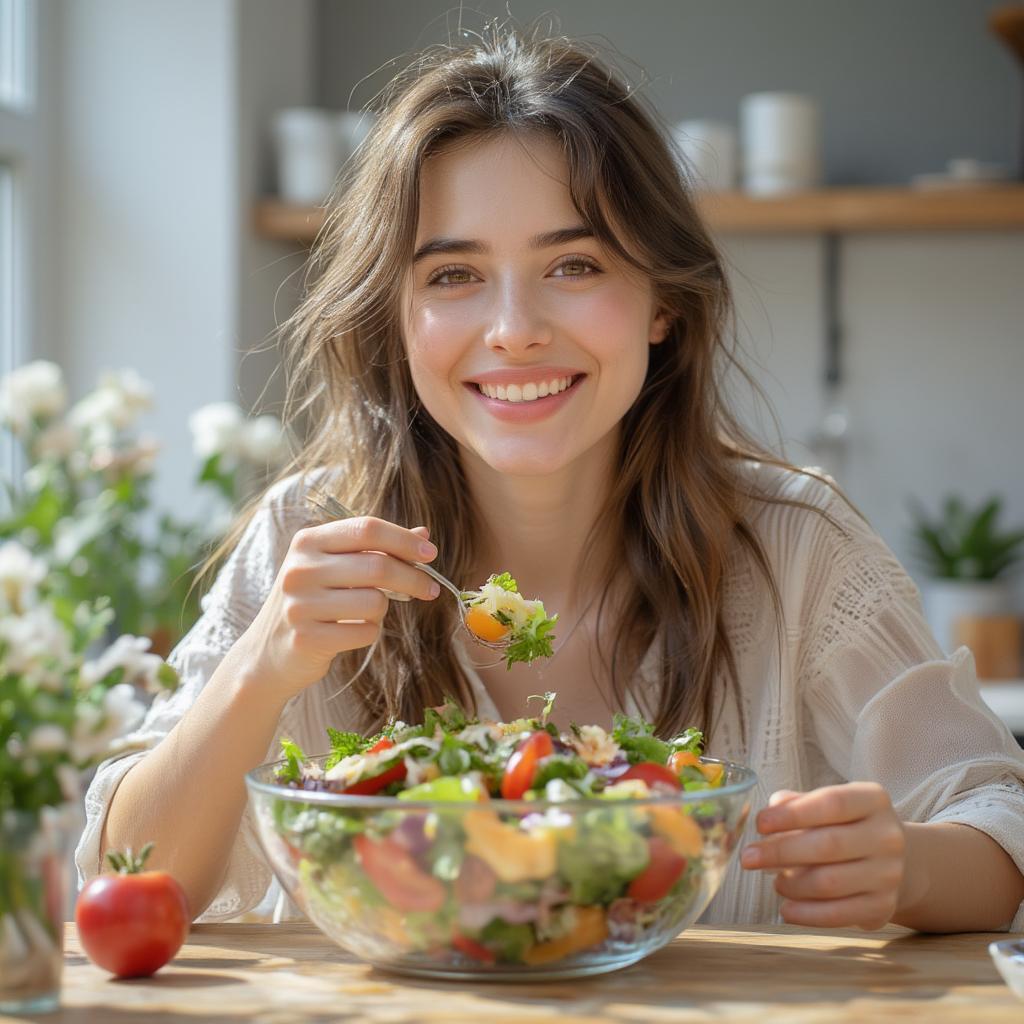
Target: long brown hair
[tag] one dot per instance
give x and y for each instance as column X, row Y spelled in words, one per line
column 678, row 506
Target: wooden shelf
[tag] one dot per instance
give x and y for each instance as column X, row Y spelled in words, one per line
column 995, row 207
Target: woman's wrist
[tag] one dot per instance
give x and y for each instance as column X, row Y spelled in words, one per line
column 916, row 870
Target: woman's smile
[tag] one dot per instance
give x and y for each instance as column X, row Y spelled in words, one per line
column 525, row 395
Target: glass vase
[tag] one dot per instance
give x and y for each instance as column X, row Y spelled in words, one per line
column 34, row 884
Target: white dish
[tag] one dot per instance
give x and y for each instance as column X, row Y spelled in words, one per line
column 1008, row 957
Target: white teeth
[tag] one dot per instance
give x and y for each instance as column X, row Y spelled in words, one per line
column 529, row 392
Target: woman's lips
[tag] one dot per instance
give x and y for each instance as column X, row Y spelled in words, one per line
column 526, row 412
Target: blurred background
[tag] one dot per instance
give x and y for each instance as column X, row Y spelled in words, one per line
column 162, row 165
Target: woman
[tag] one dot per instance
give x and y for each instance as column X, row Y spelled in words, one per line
column 516, row 339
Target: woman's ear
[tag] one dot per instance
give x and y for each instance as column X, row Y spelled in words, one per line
column 660, row 327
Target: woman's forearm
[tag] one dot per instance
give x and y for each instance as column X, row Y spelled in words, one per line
column 188, row 794
column 957, row 879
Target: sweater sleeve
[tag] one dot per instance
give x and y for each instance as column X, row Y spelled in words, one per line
column 227, row 611
column 886, row 705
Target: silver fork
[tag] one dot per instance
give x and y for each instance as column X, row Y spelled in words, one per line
column 329, row 507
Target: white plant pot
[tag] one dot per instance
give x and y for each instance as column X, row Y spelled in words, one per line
column 947, row 601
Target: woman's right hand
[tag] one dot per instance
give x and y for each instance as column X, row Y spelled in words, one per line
column 327, row 598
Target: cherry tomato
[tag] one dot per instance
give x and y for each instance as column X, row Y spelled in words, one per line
column 683, row 759
column 522, row 765
column 472, row 948
column 662, row 872
column 397, row 876
column 484, row 625
column 653, row 774
column 367, row 787
column 131, row 923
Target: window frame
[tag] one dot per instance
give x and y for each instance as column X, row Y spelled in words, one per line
column 22, row 163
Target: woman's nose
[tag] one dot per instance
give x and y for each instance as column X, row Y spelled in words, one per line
column 517, row 323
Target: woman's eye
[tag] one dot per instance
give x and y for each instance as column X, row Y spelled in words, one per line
column 576, row 266
column 460, row 275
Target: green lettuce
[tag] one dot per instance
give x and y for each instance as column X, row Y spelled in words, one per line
column 606, row 853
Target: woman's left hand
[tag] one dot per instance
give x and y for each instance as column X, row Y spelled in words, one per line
column 840, row 854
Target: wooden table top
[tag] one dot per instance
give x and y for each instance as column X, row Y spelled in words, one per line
column 292, row 974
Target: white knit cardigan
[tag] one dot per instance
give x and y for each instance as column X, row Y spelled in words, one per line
column 861, row 692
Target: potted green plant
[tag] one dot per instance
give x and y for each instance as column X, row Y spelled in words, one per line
column 968, row 560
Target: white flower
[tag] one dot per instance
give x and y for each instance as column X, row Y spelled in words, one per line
column 594, row 745
column 130, row 653
column 96, row 728
column 20, row 576
column 221, row 428
column 121, row 707
column 37, row 646
column 33, row 390
column 70, row 782
column 46, row 739
column 263, row 441
column 57, row 441
column 136, row 460
column 114, row 406
column 217, row 429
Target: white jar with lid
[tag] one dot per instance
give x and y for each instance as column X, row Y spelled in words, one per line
column 781, row 143
column 308, row 153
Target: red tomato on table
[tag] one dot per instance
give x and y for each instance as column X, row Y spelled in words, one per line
column 132, row 922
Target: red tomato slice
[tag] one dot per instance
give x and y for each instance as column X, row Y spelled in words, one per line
column 662, row 872
column 472, row 948
column 653, row 774
column 398, row 877
column 522, row 765
column 367, row 787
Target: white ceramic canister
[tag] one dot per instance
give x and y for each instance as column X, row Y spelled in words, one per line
column 709, row 149
column 308, row 153
column 781, row 140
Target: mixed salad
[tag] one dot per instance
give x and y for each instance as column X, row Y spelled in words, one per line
column 501, row 884
column 498, row 614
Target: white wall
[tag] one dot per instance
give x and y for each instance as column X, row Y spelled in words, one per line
column 159, row 160
column 934, row 362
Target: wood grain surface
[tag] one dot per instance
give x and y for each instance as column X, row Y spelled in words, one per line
column 292, row 974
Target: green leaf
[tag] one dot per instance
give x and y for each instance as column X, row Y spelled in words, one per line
column 549, row 703
column 691, row 741
column 964, row 544
column 531, row 640
column 343, row 744
column 558, row 766
column 637, row 740
column 505, row 581
column 292, row 770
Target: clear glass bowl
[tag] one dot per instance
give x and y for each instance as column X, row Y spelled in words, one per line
column 500, row 889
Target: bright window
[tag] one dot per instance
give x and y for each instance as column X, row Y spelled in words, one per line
column 20, row 141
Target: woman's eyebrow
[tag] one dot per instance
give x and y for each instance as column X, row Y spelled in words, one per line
column 444, row 246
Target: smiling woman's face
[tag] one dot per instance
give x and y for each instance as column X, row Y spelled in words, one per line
column 526, row 342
